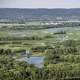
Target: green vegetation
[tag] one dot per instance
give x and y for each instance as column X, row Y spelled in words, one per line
column 60, row 49
column 61, row 62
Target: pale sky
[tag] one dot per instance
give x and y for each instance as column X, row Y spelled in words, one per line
column 39, row 3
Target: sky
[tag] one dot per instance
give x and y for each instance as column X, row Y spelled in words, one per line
column 39, row 3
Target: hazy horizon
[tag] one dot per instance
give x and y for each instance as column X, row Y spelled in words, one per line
column 50, row 4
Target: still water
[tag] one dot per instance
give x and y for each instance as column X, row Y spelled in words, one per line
column 37, row 61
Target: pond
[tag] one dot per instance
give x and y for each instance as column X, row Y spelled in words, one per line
column 37, row 61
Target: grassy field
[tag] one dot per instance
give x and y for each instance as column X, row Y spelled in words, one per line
column 46, row 38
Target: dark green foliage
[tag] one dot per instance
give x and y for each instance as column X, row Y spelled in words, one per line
column 61, row 63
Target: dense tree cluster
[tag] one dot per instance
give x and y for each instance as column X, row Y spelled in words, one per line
column 63, row 62
column 60, row 63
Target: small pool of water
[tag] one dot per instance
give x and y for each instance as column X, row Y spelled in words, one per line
column 37, row 61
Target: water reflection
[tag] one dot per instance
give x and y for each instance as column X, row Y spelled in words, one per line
column 37, row 61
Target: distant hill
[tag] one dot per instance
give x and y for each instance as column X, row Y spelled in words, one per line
column 38, row 14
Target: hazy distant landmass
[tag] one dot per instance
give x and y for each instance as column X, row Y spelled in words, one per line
column 39, row 14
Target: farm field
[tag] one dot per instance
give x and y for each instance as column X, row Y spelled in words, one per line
column 26, row 39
